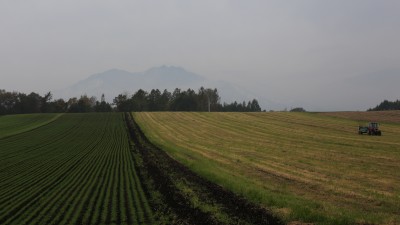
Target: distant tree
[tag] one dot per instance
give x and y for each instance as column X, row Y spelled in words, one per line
column 203, row 99
column 165, row 100
column 103, row 98
column 31, row 103
column 298, row 109
column 8, row 102
column 122, row 103
column 185, row 100
column 255, row 107
column 139, row 101
column 46, row 106
column 72, row 105
column 189, row 100
column 208, row 99
column 59, row 106
column 154, row 100
column 81, row 105
column 250, row 106
column 175, row 98
column 387, row 105
column 86, row 104
column 102, row 106
column 214, row 98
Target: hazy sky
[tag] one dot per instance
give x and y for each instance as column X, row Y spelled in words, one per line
column 310, row 52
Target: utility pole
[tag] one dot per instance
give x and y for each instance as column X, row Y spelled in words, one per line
column 209, row 104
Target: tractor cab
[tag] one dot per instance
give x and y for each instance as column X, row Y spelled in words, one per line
column 373, row 125
column 371, row 129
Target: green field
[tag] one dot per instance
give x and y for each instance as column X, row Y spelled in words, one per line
column 76, row 170
column 98, row 168
column 304, row 166
column 15, row 124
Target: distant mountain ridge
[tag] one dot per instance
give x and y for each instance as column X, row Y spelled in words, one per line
column 116, row 81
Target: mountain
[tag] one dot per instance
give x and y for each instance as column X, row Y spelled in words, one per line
column 115, row 81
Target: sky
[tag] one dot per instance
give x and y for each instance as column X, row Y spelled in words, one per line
column 318, row 54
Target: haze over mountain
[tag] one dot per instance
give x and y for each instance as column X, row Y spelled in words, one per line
column 320, row 55
column 116, row 81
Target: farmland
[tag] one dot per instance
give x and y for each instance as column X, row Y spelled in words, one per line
column 381, row 116
column 99, row 168
column 77, row 169
column 14, row 124
column 196, row 168
column 187, row 197
column 303, row 166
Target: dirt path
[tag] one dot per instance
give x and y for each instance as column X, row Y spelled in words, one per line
column 187, row 198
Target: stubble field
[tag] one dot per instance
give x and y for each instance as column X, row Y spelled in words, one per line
column 304, row 166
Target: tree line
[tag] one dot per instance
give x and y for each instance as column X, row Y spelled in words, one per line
column 205, row 99
column 21, row 103
column 387, row 105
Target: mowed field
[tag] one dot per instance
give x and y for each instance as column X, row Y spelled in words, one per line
column 391, row 116
column 303, row 166
column 78, row 169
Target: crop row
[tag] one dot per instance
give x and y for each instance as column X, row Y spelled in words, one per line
column 14, row 124
column 76, row 170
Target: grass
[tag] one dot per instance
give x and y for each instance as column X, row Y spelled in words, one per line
column 15, row 124
column 390, row 116
column 75, row 170
column 305, row 167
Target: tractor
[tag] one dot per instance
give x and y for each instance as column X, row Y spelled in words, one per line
column 371, row 129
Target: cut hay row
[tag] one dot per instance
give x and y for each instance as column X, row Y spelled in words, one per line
column 391, row 116
column 76, row 170
column 304, row 166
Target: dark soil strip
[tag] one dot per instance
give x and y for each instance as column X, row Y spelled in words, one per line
column 152, row 169
column 159, row 166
